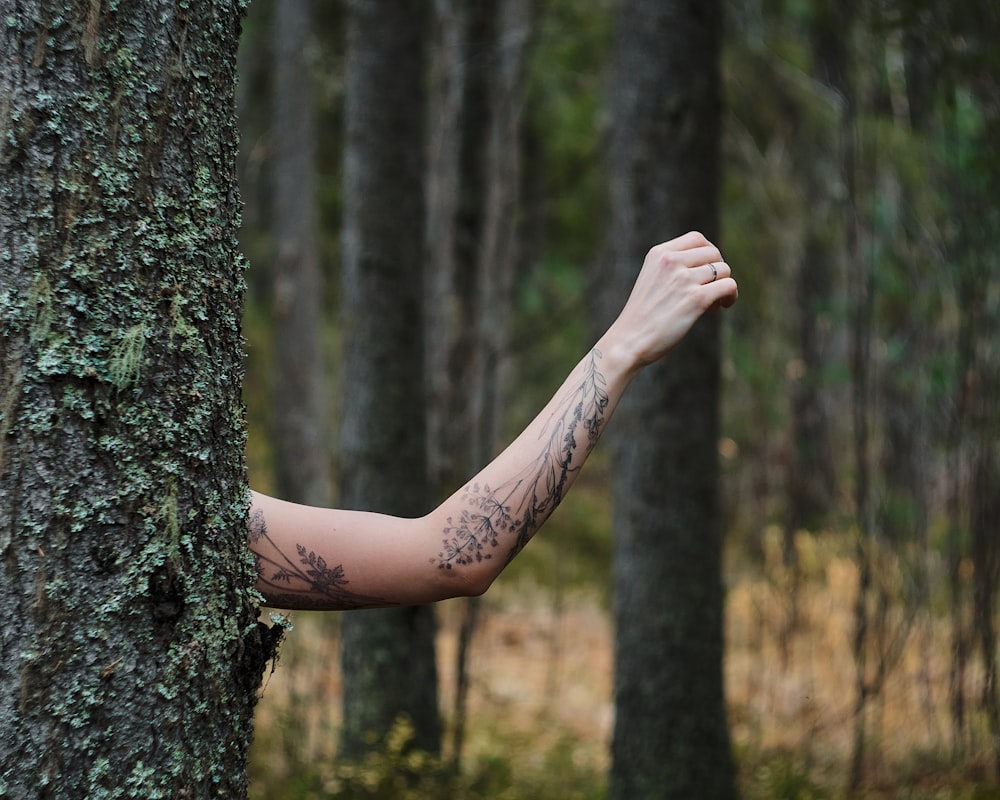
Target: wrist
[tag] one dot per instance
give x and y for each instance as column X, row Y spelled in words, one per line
column 619, row 360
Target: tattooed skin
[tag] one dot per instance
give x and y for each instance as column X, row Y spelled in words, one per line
column 305, row 582
column 513, row 511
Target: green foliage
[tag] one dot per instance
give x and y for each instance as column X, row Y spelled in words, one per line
column 396, row 771
column 549, row 333
column 565, row 83
column 934, row 775
column 780, row 776
column 575, row 552
column 565, row 193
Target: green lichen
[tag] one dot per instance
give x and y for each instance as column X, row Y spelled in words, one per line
column 10, row 391
column 171, row 525
column 180, row 327
column 127, row 328
column 101, row 772
column 41, row 300
column 77, row 402
column 125, row 365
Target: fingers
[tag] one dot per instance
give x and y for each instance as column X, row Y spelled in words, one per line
column 689, row 250
column 713, row 271
column 689, row 241
column 697, row 256
column 706, row 264
column 722, row 293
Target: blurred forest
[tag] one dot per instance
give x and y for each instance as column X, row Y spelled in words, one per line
column 861, row 431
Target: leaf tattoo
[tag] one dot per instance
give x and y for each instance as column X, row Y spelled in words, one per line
column 308, row 583
column 513, row 511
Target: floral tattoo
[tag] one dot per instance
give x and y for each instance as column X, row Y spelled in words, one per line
column 514, row 510
column 306, row 582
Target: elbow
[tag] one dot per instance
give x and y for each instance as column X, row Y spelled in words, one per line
column 467, row 581
column 477, row 585
column 453, row 572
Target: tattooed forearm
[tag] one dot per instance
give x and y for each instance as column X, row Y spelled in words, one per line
column 510, row 513
column 306, row 581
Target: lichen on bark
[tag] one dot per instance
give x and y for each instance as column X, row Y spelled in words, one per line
column 131, row 654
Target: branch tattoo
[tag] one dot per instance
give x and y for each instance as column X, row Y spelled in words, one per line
column 504, row 516
column 514, row 510
column 306, row 582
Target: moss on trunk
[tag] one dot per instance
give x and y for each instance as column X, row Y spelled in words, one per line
column 130, row 655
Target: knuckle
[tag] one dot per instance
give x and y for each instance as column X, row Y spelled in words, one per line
column 656, row 251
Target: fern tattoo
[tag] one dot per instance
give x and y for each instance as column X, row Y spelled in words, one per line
column 514, row 510
column 308, row 582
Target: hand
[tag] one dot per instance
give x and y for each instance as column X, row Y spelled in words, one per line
column 679, row 281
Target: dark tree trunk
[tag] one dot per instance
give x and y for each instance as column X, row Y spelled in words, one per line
column 811, row 475
column 301, row 460
column 985, row 518
column 473, row 190
column 812, row 480
column 671, row 737
column 129, row 655
column 387, row 655
column 457, row 177
column 862, row 294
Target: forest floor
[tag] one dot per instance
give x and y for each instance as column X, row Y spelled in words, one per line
column 541, row 681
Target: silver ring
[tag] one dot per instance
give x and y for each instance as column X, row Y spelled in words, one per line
column 715, row 272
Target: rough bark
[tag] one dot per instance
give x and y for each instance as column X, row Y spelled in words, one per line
column 387, row 655
column 670, row 737
column 129, row 655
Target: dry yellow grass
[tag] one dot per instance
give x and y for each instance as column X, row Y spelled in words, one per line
column 542, row 670
column 535, row 672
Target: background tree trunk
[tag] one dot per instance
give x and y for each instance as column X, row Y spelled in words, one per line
column 301, row 457
column 473, row 192
column 457, row 130
column 387, row 655
column 978, row 231
column 811, row 481
column 670, row 737
column 129, row 658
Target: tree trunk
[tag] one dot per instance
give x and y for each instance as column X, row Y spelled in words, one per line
column 670, row 737
column 456, row 179
column 811, row 475
column 387, row 655
column 130, row 656
column 985, row 518
column 812, row 479
column 301, row 460
column 473, row 190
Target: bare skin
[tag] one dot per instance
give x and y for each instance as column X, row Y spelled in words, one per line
column 332, row 559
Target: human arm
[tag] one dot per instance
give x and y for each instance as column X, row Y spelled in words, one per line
column 336, row 559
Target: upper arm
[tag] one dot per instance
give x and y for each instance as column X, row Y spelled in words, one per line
column 329, row 559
